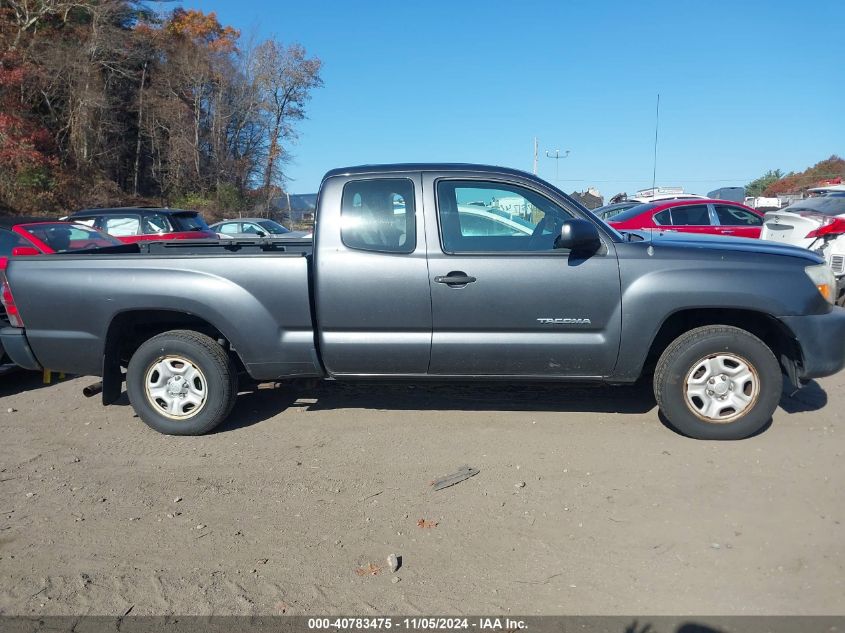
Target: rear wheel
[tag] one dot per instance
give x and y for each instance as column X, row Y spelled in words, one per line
column 718, row 383
column 181, row 383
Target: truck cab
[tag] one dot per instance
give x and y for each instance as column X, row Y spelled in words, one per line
column 459, row 273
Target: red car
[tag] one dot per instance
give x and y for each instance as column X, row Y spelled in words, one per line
column 40, row 236
column 715, row 217
column 141, row 224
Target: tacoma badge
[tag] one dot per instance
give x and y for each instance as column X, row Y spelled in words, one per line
column 565, row 321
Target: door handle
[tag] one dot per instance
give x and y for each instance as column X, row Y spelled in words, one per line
column 455, row 278
column 726, row 231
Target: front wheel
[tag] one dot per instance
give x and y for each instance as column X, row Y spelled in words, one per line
column 718, row 383
column 181, row 383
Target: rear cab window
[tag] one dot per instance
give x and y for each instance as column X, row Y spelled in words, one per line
column 379, row 215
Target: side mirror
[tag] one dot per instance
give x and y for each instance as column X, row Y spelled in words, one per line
column 579, row 235
column 261, row 234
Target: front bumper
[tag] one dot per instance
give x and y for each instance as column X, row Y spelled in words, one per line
column 17, row 347
column 822, row 341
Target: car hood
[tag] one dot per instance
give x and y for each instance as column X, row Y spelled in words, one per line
column 723, row 243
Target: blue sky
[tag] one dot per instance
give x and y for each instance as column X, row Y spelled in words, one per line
column 744, row 86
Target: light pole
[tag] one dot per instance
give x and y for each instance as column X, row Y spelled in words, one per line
column 557, row 156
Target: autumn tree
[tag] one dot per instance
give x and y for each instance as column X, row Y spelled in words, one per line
column 833, row 167
column 756, row 187
column 285, row 78
column 104, row 101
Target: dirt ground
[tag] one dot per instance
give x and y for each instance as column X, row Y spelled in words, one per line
column 585, row 504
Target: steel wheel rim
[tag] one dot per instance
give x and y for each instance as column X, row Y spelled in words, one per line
column 721, row 388
column 175, row 387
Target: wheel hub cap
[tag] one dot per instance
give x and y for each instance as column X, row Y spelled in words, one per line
column 175, row 387
column 721, row 388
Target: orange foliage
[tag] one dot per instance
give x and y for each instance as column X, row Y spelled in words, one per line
column 830, row 168
column 203, row 28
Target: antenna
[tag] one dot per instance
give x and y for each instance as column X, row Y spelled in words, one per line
column 536, row 144
column 656, row 125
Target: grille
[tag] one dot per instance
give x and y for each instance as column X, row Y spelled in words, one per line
column 837, row 263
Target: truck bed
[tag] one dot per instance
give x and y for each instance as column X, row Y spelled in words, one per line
column 256, row 293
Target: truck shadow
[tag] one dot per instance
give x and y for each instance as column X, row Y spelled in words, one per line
column 811, row 397
column 256, row 404
column 262, row 404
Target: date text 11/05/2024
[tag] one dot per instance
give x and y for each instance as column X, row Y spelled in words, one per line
column 417, row 623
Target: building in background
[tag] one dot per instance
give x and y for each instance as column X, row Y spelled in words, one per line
column 591, row 198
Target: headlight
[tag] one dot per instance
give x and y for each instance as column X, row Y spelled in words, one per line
column 824, row 279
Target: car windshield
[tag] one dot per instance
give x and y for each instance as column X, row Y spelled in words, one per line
column 633, row 212
column 64, row 237
column 825, row 205
column 189, row 221
column 273, row 227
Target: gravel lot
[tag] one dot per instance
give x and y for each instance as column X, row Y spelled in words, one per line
column 585, row 504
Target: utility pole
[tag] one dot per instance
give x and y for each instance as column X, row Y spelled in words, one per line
column 557, row 156
column 656, row 125
column 536, row 149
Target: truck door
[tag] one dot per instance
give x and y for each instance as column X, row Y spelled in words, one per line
column 373, row 304
column 504, row 300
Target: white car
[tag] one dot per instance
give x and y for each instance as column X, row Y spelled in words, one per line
column 814, row 223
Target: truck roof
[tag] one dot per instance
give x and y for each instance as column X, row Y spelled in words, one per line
column 411, row 167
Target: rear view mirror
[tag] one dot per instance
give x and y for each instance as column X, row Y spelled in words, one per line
column 579, row 235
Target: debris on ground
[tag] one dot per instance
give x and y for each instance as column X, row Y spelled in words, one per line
column 370, row 569
column 521, row 484
column 394, row 561
column 464, row 472
column 426, row 525
column 177, row 499
column 395, row 579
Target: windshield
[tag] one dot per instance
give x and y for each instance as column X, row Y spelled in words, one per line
column 189, row 221
column 825, row 205
column 273, row 227
column 64, row 237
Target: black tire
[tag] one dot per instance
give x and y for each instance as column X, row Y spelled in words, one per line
column 687, row 353
column 218, row 378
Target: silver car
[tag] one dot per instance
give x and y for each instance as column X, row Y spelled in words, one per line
column 251, row 228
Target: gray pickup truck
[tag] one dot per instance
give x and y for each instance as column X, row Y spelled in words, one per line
column 445, row 272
